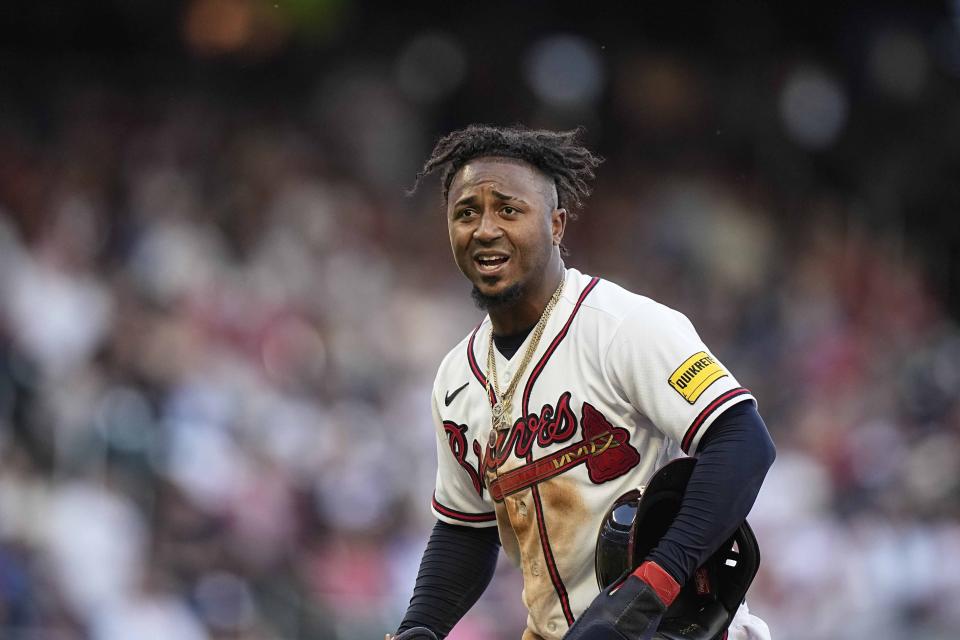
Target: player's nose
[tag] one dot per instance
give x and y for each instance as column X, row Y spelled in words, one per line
column 488, row 228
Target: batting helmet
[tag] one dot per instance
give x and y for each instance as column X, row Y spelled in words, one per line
column 635, row 524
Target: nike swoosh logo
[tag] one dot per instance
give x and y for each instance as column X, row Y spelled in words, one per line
column 448, row 397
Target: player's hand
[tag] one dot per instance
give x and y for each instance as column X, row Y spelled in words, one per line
column 417, row 633
column 631, row 609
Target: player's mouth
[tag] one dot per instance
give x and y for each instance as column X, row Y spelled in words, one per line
column 490, row 263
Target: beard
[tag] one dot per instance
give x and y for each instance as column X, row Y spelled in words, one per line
column 505, row 298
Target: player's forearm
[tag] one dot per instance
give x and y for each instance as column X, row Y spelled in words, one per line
column 733, row 460
column 456, row 568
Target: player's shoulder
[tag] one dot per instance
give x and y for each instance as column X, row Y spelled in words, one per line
column 617, row 303
column 457, row 359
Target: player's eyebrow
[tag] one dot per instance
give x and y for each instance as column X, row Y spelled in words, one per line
column 472, row 199
column 503, row 196
column 465, row 200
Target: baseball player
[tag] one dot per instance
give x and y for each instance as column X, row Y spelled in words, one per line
column 570, row 392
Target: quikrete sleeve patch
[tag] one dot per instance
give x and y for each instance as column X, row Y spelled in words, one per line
column 697, row 372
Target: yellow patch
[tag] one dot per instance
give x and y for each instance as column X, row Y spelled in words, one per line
column 697, row 372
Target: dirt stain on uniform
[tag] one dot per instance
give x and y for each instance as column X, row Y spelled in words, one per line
column 508, row 538
column 566, row 514
column 538, row 592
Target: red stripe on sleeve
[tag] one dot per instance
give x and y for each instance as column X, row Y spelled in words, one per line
column 706, row 413
column 490, row 516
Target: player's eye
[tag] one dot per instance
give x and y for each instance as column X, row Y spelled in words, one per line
column 464, row 213
column 510, row 210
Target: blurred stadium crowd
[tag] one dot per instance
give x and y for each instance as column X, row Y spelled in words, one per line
column 221, row 319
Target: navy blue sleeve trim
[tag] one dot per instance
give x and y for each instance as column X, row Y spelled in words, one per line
column 732, row 461
column 456, row 568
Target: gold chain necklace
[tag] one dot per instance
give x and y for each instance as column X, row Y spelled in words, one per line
column 504, row 399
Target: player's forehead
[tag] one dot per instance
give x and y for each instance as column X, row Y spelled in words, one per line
column 510, row 176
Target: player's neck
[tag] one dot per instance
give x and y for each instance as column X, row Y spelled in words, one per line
column 526, row 311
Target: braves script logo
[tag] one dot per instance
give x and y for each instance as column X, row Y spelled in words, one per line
column 605, row 449
column 548, row 427
column 457, row 439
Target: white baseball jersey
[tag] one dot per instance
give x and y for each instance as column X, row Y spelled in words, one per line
column 618, row 386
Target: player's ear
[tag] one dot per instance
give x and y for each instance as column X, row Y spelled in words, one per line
column 558, row 223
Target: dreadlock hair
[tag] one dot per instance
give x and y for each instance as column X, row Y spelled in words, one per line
column 558, row 154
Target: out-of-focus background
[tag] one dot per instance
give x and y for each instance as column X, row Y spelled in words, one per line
column 220, row 316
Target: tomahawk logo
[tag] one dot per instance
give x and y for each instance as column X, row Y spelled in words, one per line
column 595, row 447
column 604, row 449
